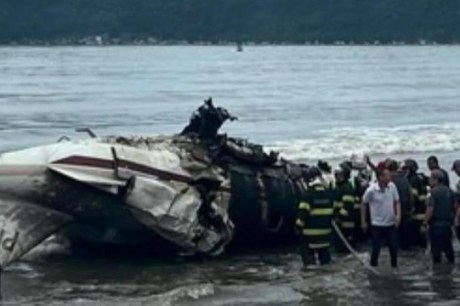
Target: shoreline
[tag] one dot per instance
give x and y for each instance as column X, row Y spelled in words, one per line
column 101, row 41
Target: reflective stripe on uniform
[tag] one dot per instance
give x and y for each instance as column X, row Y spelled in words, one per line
column 316, row 231
column 422, row 197
column 343, row 212
column 318, row 245
column 357, row 206
column 304, row 206
column 338, row 204
column 348, row 198
column 414, row 191
column 346, row 224
column 300, row 223
column 419, row 217
column 322, row 212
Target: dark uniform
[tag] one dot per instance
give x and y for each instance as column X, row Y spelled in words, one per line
column 361, row 182
column 419, row 184
column 316, row 211
column 345, row 198
column 405, row 198
column 443, row 201
column 419, row 191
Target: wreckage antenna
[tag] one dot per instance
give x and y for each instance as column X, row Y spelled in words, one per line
column 86, row 130
column 208, row 102
column 62, row 138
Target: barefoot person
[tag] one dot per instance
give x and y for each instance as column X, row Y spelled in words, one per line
column 385, row 211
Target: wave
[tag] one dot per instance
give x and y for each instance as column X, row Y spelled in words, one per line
column 343, row 142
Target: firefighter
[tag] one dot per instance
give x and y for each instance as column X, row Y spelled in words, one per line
column 344, row 196
column 361, row 182
column 314, row 222
column 419, row 189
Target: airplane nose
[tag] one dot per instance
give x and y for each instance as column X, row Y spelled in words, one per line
column 18, row 172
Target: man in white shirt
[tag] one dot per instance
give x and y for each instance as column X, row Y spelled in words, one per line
column 382, row 199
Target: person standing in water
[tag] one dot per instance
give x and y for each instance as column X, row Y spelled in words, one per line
column 382, row 199
column 456, row 169
column 440, row 217
column 419, row 185
column 314, row 222
column 406, row 199
column 361, row 182
column 344, row 195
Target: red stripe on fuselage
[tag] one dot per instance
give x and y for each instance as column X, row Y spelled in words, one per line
column 110, row 164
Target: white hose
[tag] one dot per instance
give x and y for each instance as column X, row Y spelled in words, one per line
column 352, row 251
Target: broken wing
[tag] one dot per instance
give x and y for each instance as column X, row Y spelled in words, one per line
column 23, row 226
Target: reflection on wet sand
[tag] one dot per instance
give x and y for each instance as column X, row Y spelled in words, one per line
column 246, row 279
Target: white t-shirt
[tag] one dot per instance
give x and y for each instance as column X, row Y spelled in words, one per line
column 381, row 204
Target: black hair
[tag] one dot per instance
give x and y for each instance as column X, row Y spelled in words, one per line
column 324, row 166
column 313, row 172
column 411, row 164
column 433, row 158
column 392, row 165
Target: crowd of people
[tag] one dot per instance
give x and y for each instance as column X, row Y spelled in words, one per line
column 390, row 202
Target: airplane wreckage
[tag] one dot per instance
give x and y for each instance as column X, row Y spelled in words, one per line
column 197, row 192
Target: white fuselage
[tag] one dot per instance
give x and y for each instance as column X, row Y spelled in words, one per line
column 83, row 179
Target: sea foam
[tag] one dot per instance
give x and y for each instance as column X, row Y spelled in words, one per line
column 338, row 143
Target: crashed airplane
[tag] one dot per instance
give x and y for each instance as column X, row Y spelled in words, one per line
column 194, row 192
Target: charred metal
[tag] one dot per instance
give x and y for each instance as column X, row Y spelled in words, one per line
column 198, row 191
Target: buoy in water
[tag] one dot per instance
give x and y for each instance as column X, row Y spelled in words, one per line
column 239, row 48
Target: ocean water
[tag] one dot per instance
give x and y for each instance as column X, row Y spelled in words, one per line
column 309, row 103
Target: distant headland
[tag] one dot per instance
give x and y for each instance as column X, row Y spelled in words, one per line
column 229, row 22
